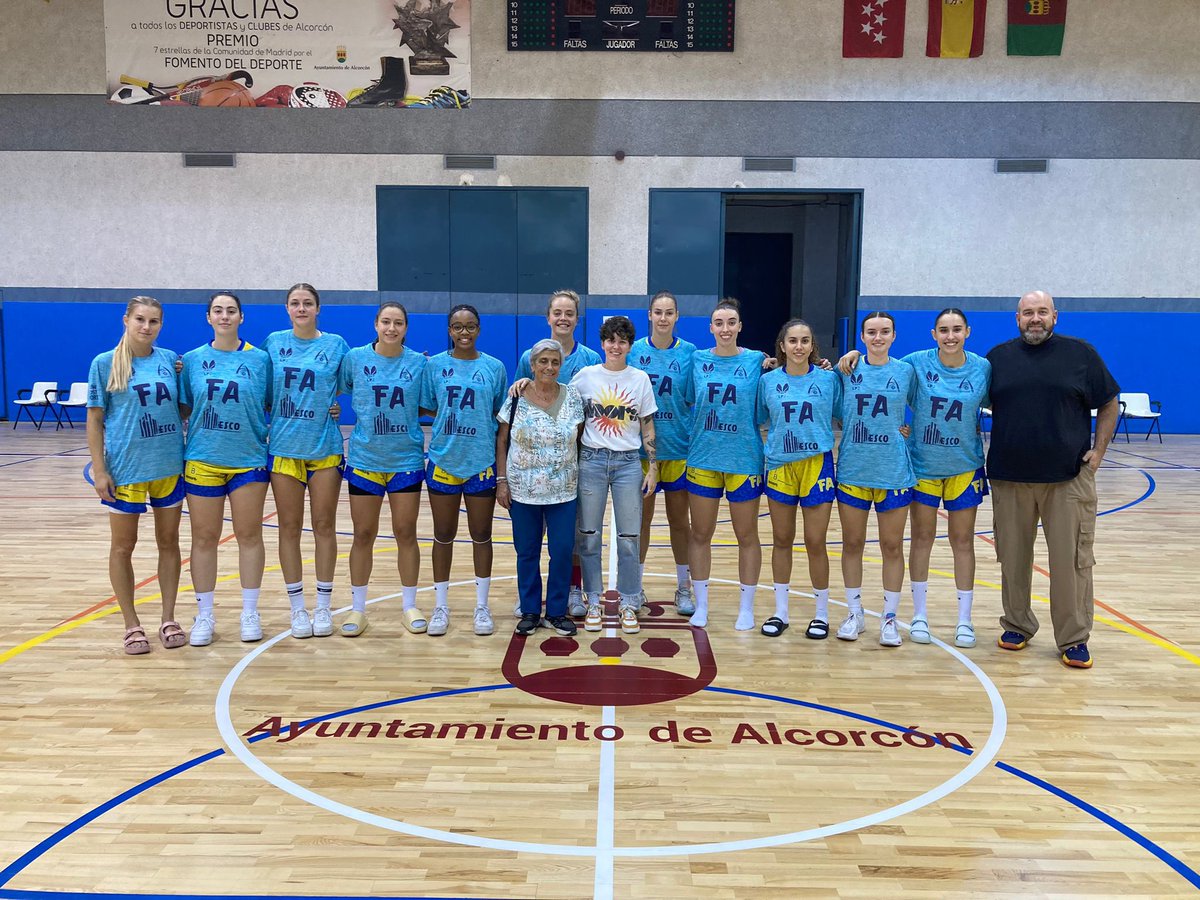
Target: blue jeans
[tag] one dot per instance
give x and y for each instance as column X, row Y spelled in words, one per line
column 620, row 471
column 529, row 522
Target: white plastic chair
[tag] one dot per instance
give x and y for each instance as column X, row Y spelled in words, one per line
column 43, row 394
column 1140, row 406
column 77, row 399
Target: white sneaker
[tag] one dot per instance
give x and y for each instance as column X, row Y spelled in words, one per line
column 251, row 627
column 889, row 632
column 301, row 624
column 322, row 622
column 629, row 620
column 595, row 618
column 685, row 603
column 575, row 603
column 852, row 627
column 202, row 631
column 483, row 621
column 439, row 621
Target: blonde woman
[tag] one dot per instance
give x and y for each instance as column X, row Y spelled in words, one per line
column 135, row 438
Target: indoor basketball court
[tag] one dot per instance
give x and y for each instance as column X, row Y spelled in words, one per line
column 676, row 762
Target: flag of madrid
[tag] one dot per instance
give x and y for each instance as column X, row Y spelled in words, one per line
column 873, row 28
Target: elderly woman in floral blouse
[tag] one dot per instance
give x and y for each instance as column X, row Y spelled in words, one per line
column 537, row 466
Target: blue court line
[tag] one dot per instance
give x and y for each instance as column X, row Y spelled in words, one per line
column 28, row 858
column 35, row 458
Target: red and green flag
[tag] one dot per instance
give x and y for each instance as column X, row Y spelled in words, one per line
column 955, row 28
column 1035, row 27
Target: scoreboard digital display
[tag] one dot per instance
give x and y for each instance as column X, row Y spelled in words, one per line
column 670, row 26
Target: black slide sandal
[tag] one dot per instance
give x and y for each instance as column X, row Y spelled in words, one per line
column 774, row 627
column 818, row 630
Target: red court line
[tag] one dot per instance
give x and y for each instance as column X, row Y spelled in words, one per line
column 1120, row 615
column 142, row 584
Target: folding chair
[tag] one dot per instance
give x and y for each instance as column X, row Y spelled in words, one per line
column 77, row 399
column 39, row 395
column 1140, row 406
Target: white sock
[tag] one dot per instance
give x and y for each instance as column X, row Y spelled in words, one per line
column 822, row 611
column 854, row 600
column 891, row 603
column 296, row 595
column 920, row 590
column 409, row 596
column 204, row 600
column 683, row 575
column 324, row 594
column 745, row 619
column 700, row 616
column 358, row 597
column 440, row 590
column 250, row 600
column 781, row 601
column 482, row 586
column 965, row 599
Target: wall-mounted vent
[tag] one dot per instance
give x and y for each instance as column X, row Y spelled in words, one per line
column 209, row 160
column 1022, row 166
column 768, row 164
column 467, row 161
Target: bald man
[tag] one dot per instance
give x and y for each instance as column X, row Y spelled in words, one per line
column 1042, row 465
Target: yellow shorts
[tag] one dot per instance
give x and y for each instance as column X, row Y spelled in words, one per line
column 300, row 469
column 807, row 482
column 377, row 484
column 440, row 481
column 206, row 480
column 161, row 493
column 884, row 499
column 737, row 488
column 956, row 492
column 671, row 474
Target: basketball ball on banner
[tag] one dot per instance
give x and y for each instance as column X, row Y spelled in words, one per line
column 226, row 93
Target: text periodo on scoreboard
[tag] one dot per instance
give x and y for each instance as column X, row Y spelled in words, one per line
column 669, row 26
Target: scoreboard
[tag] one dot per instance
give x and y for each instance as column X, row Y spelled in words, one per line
column 669, row 26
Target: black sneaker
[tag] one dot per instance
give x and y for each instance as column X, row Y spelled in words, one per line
column 529, row 623
column 562, row 624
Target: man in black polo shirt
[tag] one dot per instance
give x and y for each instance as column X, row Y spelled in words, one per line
column 1042, row 465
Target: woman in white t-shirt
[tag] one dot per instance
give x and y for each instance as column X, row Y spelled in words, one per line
column 618, row 410
column 537, row 480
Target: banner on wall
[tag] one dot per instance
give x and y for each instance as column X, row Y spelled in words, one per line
column 289, row 53
column 956, row 28
column 1035, row 27
column 873, row 28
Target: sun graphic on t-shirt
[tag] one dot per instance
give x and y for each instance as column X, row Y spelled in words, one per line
column 613, row 411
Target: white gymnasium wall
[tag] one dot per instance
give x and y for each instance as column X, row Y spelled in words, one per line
column 786, row 50
column 1123, row 228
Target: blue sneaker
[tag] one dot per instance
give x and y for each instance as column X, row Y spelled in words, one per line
column 1077, row 657
column 1012, row 640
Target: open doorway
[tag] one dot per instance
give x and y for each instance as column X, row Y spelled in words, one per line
column 793, row 254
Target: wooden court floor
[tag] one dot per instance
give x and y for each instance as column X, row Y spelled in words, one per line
column 673, row 763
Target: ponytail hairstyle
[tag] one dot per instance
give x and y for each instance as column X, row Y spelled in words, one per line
column 728, row 303
column 304, row 286
column 814, row 355
column 122, row 363
column 951, row 311
column 566, row 294
column 878, row 314
column 393, row 304
column 459, row 308
column 664, row 295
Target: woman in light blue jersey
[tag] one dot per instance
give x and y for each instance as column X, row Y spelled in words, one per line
column 798, row 403
column 667, row 359
column 725, row 457
column 387, row 458
column 306, row 452
column 135, row 439
column 463, row 389
column 225, row 389
column 947, row 454
column 874, row 469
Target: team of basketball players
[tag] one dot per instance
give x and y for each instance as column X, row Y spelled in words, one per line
column 729, row 422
